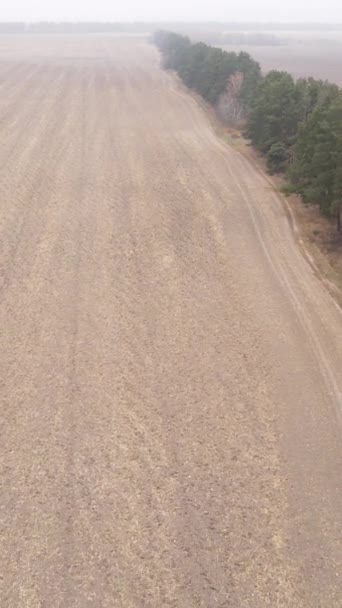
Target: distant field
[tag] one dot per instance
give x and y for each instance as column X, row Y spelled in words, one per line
column 307, row 53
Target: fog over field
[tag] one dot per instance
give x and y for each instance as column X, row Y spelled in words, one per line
column 316, row 53
column 178, row 10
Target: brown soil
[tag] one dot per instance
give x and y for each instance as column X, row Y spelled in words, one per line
column 317, row 235
column 170, row 364
column 321, row 238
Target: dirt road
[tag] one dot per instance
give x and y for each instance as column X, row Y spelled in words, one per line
column 170, row 366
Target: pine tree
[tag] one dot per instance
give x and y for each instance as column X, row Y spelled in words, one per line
column 275, row 115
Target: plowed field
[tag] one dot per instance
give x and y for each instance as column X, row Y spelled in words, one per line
column 170, row 364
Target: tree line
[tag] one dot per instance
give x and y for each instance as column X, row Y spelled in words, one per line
column 207, row 69
column 296, row 124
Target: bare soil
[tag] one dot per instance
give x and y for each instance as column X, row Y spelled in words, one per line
column 321, row 238
column 317, row 234
column 170, row 363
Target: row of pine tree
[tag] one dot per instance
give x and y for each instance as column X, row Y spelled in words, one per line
column 296, row 124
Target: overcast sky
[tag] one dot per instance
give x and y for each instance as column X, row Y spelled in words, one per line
column 158, row 10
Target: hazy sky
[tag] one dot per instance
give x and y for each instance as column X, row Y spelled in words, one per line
column 194, row 10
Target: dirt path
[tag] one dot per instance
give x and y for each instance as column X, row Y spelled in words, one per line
column 171, row 367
